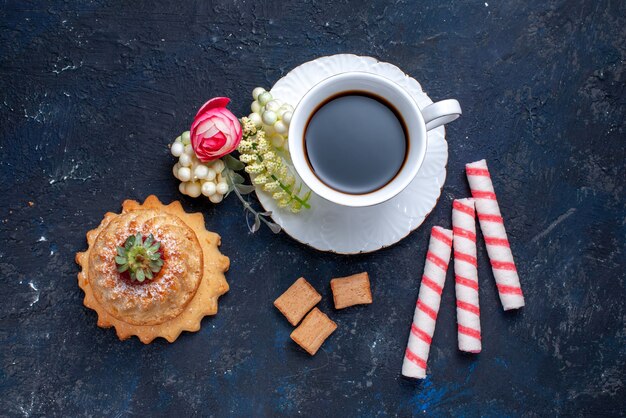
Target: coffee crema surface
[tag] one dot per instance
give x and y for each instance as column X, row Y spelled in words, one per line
column 356, row 142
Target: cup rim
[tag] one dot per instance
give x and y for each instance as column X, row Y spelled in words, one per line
column 391, row 189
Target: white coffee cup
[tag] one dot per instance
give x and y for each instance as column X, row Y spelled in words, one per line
column 417, row 122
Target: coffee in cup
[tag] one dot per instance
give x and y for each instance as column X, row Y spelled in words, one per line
column 356, row 142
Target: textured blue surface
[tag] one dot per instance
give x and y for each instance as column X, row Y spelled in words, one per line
column 91, row 93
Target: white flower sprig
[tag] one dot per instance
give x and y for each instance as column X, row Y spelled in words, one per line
column 267, row 169
column 265, row 150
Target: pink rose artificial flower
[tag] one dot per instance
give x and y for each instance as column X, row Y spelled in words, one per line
column 215, row 131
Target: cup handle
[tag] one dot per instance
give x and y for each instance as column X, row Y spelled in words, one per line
column 440, row 113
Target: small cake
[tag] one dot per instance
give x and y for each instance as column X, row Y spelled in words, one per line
column 313, row 331
column 351, row 290
column 297, row 301
column 152, row 271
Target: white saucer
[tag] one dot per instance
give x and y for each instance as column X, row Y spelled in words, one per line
column 331, row 227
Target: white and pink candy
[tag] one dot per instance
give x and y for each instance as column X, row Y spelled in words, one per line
column 466, row 275
column 492, row 227
column 428, row 301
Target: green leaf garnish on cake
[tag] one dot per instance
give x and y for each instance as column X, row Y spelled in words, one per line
column 140, row 257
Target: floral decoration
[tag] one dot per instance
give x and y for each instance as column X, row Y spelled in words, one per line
column 207, row 167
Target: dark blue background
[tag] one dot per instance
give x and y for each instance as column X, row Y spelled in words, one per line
column 91, row 93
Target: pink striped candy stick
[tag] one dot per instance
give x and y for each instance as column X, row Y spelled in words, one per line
column 492, row 226
column 466, row 274
column 425, row 317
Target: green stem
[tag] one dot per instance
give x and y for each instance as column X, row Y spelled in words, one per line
column 245, row 203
